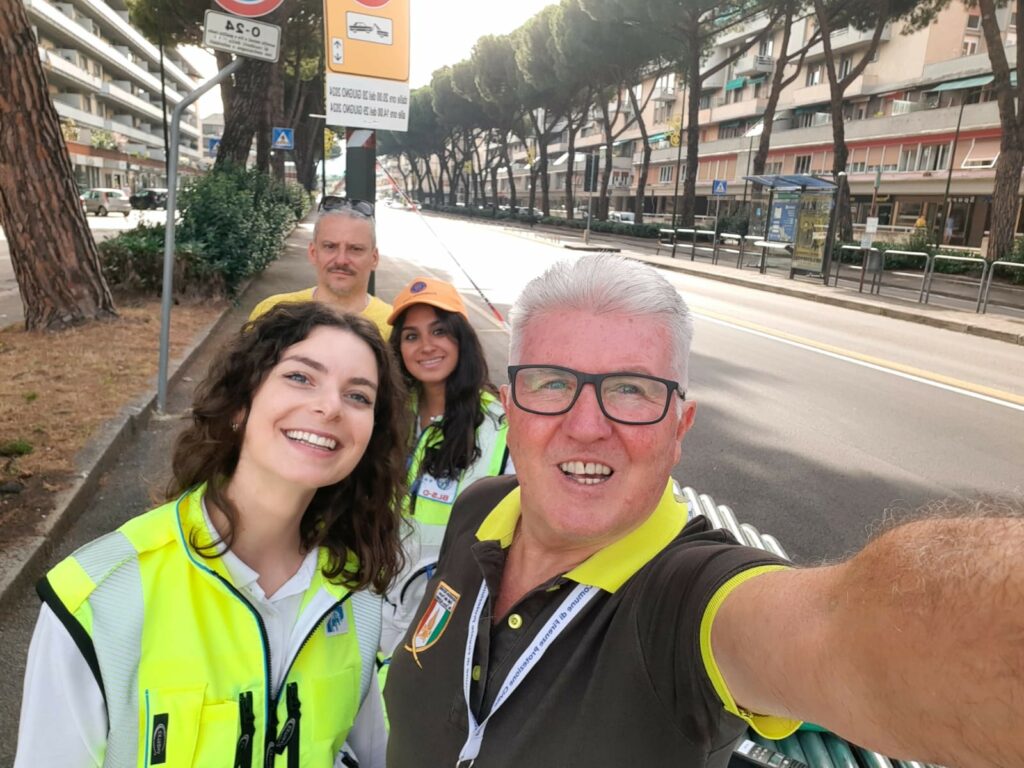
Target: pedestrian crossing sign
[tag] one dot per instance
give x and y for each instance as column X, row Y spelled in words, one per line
column 282, row 138
column 719, row 187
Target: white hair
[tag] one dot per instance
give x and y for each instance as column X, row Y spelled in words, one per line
column 605, row 284
column 347, row 213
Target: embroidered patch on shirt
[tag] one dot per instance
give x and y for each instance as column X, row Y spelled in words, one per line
column 337, row 621
column 435, row 620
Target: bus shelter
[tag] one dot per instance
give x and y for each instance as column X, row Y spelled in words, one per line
column 797, row 218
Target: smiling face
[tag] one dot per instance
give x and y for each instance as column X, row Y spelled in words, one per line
column 429, row 352
column 312, row 417
column 344, row 256
column 585, row 480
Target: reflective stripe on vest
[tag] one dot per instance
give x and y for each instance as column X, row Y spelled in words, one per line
column 103, row 589
column 117, row 613
column 491, row 437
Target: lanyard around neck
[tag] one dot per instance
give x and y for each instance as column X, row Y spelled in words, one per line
column 563, row 615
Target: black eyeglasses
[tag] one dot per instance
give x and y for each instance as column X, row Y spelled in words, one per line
column 338, row 203
column 623, row 396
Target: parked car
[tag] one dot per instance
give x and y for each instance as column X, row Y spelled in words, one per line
column 101, row 201
column 625, row 216
column 149, row 199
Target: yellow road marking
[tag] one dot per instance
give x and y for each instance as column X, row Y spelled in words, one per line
column 909, row 370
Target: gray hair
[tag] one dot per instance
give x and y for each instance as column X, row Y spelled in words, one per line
column 347, row 213
column 605, row 283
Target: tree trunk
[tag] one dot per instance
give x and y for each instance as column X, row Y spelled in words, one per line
column 641, row 182
column 603, row 198
column 764, row 142
column 692, row 139
column 508, row 170
column 52, row 251
column 570, row 173
column 840, row 154
column 248, row 113
column 1006, row 193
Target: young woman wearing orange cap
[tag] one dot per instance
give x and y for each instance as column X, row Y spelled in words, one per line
column 459, row 435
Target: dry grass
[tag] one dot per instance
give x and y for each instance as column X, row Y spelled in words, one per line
column 59, row 388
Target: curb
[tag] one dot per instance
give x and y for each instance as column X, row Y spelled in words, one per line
column 22, row 556
column 839, row 301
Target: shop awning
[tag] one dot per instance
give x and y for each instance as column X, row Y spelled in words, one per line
column 963, row 83
column 738, row 82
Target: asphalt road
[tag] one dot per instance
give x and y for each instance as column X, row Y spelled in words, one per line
column 102, row 227
column 812, row 419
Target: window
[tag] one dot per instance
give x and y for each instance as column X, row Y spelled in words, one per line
column 758, row 88
column 730, row 131
column 970, row 47
column 766, row 47
column 705, row 101
column 908, row 158
column 933, row 157
column 856, row 167
column 773, row 169
column 665, row 174
column 845, row 65
column 974, row 22
column 805, row 120
column 1013, row 18
column 813, row 75
column 803, row 164
column 735, row 96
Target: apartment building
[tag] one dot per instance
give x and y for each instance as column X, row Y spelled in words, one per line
column 901, row 119
column 104, row 79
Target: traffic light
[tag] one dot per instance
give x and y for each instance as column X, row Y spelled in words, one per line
column 590, row 174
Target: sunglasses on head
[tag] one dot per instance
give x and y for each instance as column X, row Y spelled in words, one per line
column 337, row 203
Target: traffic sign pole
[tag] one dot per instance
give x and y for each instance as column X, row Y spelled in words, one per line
column 172, row 199
column 361, row 170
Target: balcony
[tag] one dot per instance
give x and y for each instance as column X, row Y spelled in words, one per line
column 847, row 38
column 54, row 63
column 754, row 64
column 123, row 97
column 816, row 94
column 901, row 107
column 664, row 94
column 739, row 109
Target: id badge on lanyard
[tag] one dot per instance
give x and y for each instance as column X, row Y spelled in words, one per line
column 443, row 490
column 562, row 617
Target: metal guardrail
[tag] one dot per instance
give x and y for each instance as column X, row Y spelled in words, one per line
column 864, row 264
column 817, row 749
column 991, row 274
column 919, row 254
column 943, row 257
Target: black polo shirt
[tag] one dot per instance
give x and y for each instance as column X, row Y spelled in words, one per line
column 630, row 681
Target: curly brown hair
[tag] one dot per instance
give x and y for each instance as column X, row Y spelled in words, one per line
column 359, row 515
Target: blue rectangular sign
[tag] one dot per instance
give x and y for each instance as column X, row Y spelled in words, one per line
column 282, row 138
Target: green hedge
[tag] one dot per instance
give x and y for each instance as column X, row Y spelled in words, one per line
column 233, row 224
column 649, row 231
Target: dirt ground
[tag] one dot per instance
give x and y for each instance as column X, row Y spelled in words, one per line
column 59, row 388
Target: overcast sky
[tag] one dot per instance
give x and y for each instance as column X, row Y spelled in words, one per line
column 443, row 32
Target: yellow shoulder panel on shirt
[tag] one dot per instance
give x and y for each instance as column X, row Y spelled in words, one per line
column 767, row 726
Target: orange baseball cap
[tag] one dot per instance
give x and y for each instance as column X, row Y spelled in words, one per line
column 431, row 291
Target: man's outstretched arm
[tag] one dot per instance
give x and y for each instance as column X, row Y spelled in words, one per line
column 914, row 647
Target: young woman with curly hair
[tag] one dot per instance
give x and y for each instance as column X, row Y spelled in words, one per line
column 459, row 434
column 236, row 623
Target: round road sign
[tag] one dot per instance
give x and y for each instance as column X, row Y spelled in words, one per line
column 250, row 8
column 373, row 3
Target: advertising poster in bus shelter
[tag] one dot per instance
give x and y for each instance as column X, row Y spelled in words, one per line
column 782, row 223
column 811, row 231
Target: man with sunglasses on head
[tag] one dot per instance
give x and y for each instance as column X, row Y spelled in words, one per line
column 344, row 254
column 576, row 619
